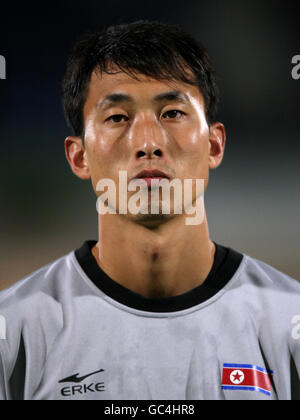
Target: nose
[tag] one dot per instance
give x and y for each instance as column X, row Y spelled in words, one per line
column 149, row 153
column 147, row 138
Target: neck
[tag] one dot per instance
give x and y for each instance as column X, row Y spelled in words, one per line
column 164, row 261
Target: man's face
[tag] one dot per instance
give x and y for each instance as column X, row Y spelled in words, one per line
column 132, row 125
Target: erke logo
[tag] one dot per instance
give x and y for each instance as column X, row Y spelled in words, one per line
column 81, row 389
column 2, row 328
column 2, row 67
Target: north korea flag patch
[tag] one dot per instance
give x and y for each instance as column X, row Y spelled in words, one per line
column 246, row 378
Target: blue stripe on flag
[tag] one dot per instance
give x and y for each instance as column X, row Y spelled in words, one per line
column 246, row 388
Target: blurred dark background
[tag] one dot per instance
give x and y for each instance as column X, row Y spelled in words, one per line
column 253, row 199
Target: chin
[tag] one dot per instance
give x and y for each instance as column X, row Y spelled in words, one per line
column 151, row 221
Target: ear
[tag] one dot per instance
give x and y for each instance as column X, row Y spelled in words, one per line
column 76, row 156
column 217, row 140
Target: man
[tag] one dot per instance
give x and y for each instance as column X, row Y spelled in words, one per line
column 154, row 309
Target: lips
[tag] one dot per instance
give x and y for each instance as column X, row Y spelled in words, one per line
column 151, row 176
column 151, row 173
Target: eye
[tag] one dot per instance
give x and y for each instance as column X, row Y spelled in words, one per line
column 173, row 114
column 117, row 118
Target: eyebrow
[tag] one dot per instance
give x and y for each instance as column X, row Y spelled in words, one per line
column 172, row 96
column 119, row 98
column 114, row 99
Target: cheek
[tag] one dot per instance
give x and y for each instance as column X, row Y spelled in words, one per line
column 194, row 134
column 103, row 162
column 195, row 147
column 95, row 140
column 97, row 161
column 103, row 143
column 200, row 136
column 98, row 148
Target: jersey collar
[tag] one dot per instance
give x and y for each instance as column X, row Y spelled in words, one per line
column 226, row 263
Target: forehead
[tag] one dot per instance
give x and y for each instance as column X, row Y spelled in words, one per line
column 140, row 87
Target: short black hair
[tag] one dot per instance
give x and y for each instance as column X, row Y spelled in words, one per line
column 159, row 50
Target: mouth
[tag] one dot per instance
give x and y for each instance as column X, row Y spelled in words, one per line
column 150, row 175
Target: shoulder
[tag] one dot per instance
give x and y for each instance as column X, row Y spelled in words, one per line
column 37, row 288
column 267, row 292
column 271, row 299
column 34, row 306
column 264, row 275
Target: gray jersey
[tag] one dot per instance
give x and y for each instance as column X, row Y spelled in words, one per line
column 69, row 332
